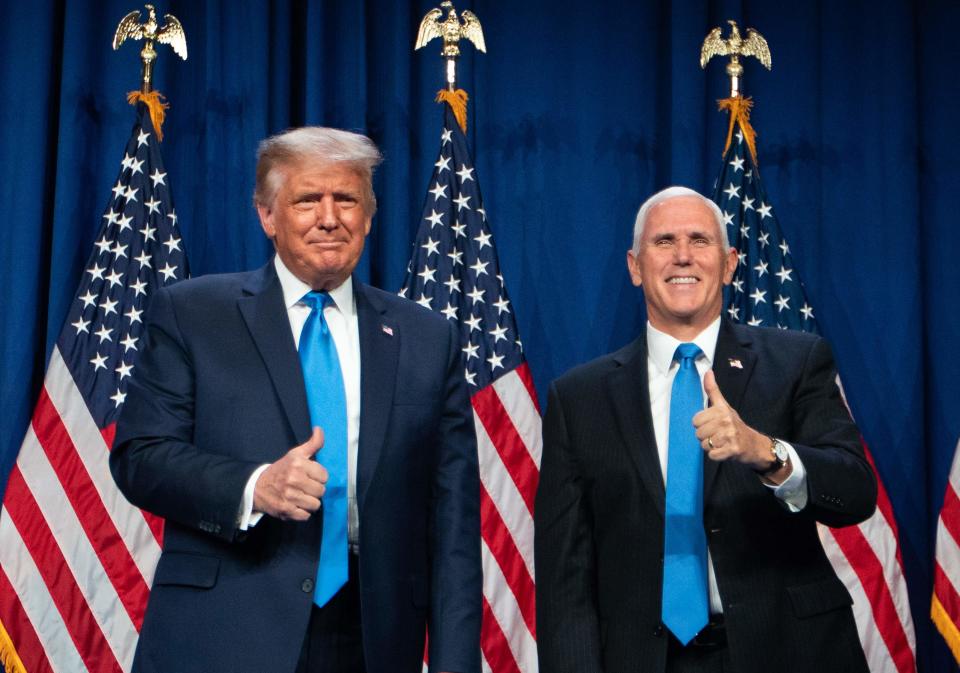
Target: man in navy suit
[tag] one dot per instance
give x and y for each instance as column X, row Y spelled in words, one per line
column 215, row 437
column 718, row 569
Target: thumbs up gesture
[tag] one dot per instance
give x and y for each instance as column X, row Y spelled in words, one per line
column 724, row 435
column 291, row 488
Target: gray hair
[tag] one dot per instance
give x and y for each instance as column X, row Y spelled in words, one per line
column 318, row 145
column 671, row 193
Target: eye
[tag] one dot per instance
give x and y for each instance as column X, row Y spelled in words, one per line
column 663, row 243
column 346, row 200
column 701, row 242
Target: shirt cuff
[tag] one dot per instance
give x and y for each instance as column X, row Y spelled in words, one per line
column 793, row 491
column 246, row 517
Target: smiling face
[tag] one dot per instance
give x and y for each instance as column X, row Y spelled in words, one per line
column 682, row 266
column 318, row 221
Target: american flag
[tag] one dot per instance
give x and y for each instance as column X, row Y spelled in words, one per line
column 76, row 559
column 767, row 291
column 945, row 604
column 454, row 271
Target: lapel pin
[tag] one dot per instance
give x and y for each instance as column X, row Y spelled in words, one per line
column 387, row 330
column 734, row 362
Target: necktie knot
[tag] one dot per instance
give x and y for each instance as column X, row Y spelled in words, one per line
column 686, row 353
column 317, row 300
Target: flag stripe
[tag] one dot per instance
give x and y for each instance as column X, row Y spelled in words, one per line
column 91, row 448
column 945, row 589
column 950, row 520
column 493, row 643
column 523, row 371
column 42, row 547
column 19, row 630
column 524, row 415
column 870, row 572
column 113, row 555
column 515, row 456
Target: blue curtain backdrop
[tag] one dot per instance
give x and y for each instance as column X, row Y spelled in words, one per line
column 577, row 113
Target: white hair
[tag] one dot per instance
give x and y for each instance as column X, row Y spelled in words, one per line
column 316, row 144
column 671, row 193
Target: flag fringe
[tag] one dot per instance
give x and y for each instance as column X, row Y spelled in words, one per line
column 945, row 626
column 457, row 100
column 154, row 102
column 739, row 109
column 9, row 658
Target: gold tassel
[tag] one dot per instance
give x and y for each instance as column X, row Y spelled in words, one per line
column 154, row 103
column 739, row 109
column 457, row 100
column 9, row 659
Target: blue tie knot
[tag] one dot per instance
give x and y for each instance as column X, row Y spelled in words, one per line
column 686, row 353
column 316, row 300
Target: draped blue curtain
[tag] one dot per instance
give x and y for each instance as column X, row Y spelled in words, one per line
column 577, row 113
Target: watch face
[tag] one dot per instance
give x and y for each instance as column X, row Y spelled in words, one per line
column 780, row 451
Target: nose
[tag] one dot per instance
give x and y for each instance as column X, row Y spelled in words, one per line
column 681, row 252
column 327, row 213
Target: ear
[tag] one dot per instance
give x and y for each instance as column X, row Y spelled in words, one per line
column 266, row 220
column 730, row 266
column 633, row 266
column 367, row 225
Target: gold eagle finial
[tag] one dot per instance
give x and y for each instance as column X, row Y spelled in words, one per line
column 171, row 33
column 735, row 47
column 452, row 31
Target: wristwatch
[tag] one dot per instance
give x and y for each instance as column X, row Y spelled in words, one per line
column 779, row 453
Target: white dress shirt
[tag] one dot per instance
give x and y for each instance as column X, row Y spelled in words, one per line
column 341, row 317
column 661, row 370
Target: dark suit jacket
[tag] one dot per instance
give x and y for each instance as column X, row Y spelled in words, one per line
column 599, row 515
column 217, row 391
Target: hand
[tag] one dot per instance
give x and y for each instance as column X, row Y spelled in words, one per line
column 724, row 435
column 291, row 488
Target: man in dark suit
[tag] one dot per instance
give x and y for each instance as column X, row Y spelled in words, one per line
column 286, row 549
column 667, row 542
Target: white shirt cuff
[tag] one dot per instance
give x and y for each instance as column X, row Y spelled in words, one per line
column 793, row 491
column 246, row 517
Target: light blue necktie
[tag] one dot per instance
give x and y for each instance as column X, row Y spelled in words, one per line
column 685, row 544
column 328, row 409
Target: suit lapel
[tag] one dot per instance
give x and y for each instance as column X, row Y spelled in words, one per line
column 263, row 310
column 733, row 364
column 629, row 391
column 379, row 351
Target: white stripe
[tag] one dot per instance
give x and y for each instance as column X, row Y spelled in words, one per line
column 36, row 601
column 518, row 404
column 874, row 648
column 882, row 541
column 95, row 454
column 948, row 554
column 505, row 496
column 503, row 605
column 81, row 558
column 484, row 666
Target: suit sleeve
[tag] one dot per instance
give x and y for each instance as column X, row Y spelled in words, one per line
column 568, row 633
column 153, row 461
column 456, row 575
column 841, row 483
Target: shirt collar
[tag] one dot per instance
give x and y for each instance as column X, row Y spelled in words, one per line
column 294, row 289
column 661, row 346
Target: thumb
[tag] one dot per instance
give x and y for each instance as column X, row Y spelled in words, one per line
column 712, row 389
column 312, row 445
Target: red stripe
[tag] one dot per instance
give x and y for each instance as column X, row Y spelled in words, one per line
column 884, row 504
column 513, row 453
column 494, row 644
column 950, row 514
column 504, row 549
column 945, row 592
column 67, row 597
column 110, row 548
column 869, row 570
column 154, row 522
column 523, row 371
column 20, row 629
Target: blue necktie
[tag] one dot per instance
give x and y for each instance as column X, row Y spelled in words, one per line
column 328, row 409
column 685, row 544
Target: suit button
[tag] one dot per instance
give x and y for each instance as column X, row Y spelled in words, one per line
column 658, row 630
column 306, row 586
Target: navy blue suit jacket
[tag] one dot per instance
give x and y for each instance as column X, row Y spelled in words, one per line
column 600, row 514
column 217, row 391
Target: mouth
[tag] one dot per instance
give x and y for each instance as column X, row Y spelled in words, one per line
column 682, row 280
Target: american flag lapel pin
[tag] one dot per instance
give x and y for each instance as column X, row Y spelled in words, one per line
column 734, row 362
column 387, row 330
